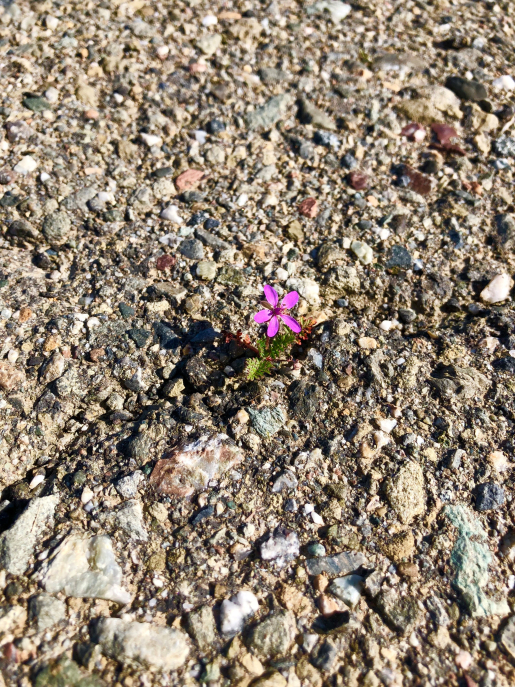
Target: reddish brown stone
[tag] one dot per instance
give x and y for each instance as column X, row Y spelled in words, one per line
column 416, row 181
column 193, row 464
column 25, row 314
column 188, row 179
column 197, row 68
column 358, row 181
column 444, row 133
column 309, row 207
column 163, row 262
column 414, row 132
column 96, row 354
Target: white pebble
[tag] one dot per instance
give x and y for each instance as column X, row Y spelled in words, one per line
column 209, row 20
column 504, row 83
column 317, row 519
column 384, row 234
column 51, row 22
column 200, row 136
column 12, row 356
column 386, row 325
column 151, row 140
column 52, row 94
column 44, row 176
column 162, row 51
column 386, row 425
column 86, row 495
column 241, row 200
column 498, row 289
column 36, row 481
column 26, row 165
column 118, row 97
column 234, row 612
column 171, row 213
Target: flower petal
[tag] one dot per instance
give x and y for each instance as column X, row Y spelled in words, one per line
column 262, row 316
column 273, row 327
column 290, row 300
column 291, row 323
column 271, row 295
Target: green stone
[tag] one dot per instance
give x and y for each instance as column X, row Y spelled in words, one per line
column 64, row 673
column 113, row 216
column 266, row 421
column 36, row 104
column 139, row 336
column 230, row 275
column 125, row 310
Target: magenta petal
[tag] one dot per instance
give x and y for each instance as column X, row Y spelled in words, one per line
column 262, row 316
column 273, row 327
column 291, row 323
column 271, row 295
column 290, row 300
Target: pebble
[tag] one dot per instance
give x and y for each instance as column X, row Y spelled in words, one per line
column 192, row 249
column 26, row 165
column 171, row 213
column 56, row 227
column 337, row 564
column 498, row 289
column 192, row 465
column 236, row 611
column 466, row 89
column 10, row 377
column 348, row 589
column 489, row 496
column 46, row 611
column 85, row 567
column 281, row 546
column 363, row 252
column 504, row 83
column 273, row 636
column 135, row 644
column 406, row 492
column 265, row 117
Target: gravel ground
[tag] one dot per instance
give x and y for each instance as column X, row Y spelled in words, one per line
column 346, row 520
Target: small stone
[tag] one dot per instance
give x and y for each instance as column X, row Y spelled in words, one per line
column 12, row 620
column 367, row 343
column 36, row 104
column 10, row 377
column 295, row 231
column 189, row 179
column 507, row 637
column 171, row 213
column 401, row 613
column 207, row 269
column 265, row 117
column 466, row 89
column 281, row 547
column 127, row 486
column 273, row 636
column 235, row 612
column 267, row 421
column 490, row 496
column 192, row 465
column 201, row 627
column 209, row 43
column 85, row 567
column 192, row 249
column 406, row 492
column 151, row 140
column 498, row 289
column 399, row 258
column 26, row 165
column 141, row 644
column 348, row 589
column 17, row 544
column 309, row 114
column 129, row 517
column 358, row 181
column 53, row 368
column 309, row 207
column 399, row 546
column 285, row 482
column 336, row 9
column 46, row 611
column 56, row 227
column 363, row 252
column 86, row 94
column 338, row 564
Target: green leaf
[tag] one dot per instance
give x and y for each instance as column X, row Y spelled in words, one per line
column 257, row 368
column 276, row 347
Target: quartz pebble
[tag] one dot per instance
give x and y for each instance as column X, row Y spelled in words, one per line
column 498, row 289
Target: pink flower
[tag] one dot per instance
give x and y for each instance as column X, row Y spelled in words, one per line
column 273, row 314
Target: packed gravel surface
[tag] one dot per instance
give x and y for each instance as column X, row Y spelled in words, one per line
column 346, row 520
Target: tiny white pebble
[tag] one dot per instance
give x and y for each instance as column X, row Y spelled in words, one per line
column 86, row 495
column 387, row 425
column 36, row 481
column 44, row 176
column 209, row 20
column 151, row 140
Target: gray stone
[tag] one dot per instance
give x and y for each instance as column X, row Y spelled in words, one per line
column 304, row 400
column 325, row 655
column 192, row 249
column 23, row 230
column 460, row 382
column 406, row 492
column 489, row 496
column 470, row 559
column 18, row 542
column 52, row 369
column 209, row 239
column 270, row 75
column 46, row 611
column 138, row 447
column 348, row 589
column 505, row 231
column 63, row 672
column 273, row 636
column 56, row 227
column 267, row 421
column 507, row 637
column 438, row 612
column 338, row 564
column 466, row 89
column 285, row 482
column 201, row 627
column 310, row 114
column 85, row 567
column 401, row 613
column 79, row 199
column 276, row 109
column 141, row 644
column 130, row 518
column 127, row 486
